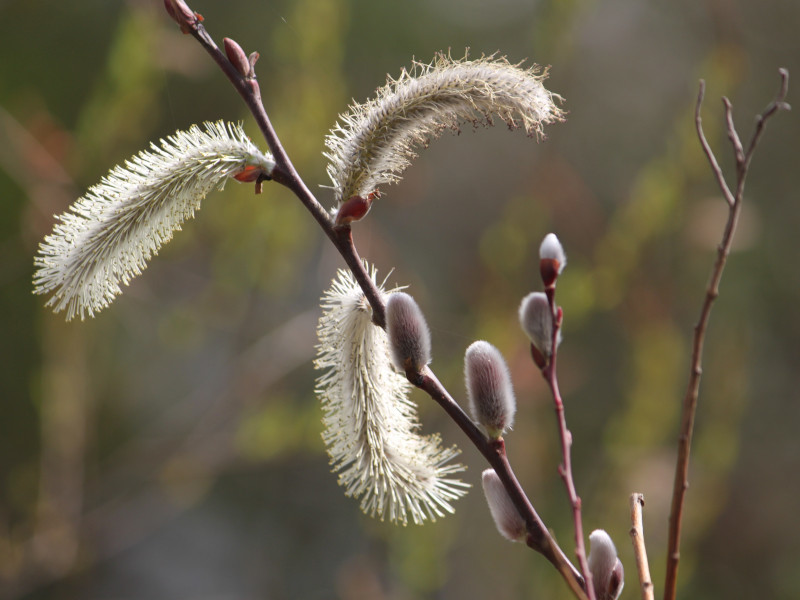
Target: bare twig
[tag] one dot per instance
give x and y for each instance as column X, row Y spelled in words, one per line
column 539, row 538
column 639, row 550
column 565, row 468
column 734, row 200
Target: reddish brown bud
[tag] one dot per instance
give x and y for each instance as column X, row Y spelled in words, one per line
column 549, row 268
column 251, row 173
column 353, row 209
column 237, row 57
column 182, row 14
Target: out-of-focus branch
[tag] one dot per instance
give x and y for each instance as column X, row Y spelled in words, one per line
column 639, row 549
column 734, row 199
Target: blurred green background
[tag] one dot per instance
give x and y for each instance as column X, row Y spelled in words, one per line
column 170, row 447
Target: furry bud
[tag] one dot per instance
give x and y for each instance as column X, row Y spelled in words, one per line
column 536, row 320
column 409, row 336
column 608, row 576
column 506, row 517
column 552, row 259
column 489, row 389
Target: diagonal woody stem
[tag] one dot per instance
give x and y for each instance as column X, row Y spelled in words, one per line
column 539, row 538
column 734, row 199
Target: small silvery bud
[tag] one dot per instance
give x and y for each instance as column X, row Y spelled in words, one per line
column 489, row 389
column 552, row 259
column 506, row 517
column 606, row 568
column 409, row 336
column 536, row 320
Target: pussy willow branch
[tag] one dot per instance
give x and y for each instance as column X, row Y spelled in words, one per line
column 565, row 468
column 539, row 537
column 734, row 199
column 639, row 549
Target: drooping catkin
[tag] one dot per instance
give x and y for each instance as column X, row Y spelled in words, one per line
column 107, row 236
column 374, row 142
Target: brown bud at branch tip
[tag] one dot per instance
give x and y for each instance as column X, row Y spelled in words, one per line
column 182, row 14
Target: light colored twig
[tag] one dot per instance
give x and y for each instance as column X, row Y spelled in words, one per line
column 639, row 549
column 734, row 200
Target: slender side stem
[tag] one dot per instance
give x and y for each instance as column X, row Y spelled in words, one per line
column 639, row 549
column 734, row 200
column 565, row 468
column 539, row 537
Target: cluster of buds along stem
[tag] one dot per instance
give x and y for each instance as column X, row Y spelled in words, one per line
column 539, row 317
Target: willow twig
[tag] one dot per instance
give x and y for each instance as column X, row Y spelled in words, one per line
column 734, row 199
column 246, row 84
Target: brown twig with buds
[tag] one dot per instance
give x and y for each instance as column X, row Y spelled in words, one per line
column 552, row 262
column 734, row 200
column 242, row 76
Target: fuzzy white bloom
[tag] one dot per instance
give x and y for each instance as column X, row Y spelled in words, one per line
column 489, row 388
column 374, row 142
column 551, row 249
column 107, row 236
column 371, row 426
column 608, row 575
column 536, row 320
column 506, row 516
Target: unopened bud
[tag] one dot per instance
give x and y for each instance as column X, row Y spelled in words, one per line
column 489, row 389
column 552, row 259
column 608, row 576
column 354, row 209
column 409, row 336
column 506, row 516
column 182, row 14
column 536, row 319
column 238, row 58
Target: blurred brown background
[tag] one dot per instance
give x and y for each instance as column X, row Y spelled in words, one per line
column 170, row 448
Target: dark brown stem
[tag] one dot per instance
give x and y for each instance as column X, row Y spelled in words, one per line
column 734, row 200
column 565, row 468
column 539, row 537
column 494, row 452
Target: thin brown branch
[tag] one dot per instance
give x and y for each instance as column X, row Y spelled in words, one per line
column 681, row 482
column 639, row 549
column 539, row 537
column 565, row 468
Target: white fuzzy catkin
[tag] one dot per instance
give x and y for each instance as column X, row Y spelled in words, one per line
column 409, row 335
column 536, row 320
column 107, row 236
column 505, row 515
column 371, row 426
column 608, row 575
column 489, row 388
column 374, row 142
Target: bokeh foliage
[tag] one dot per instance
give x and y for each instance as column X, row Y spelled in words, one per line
column 170, row 447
